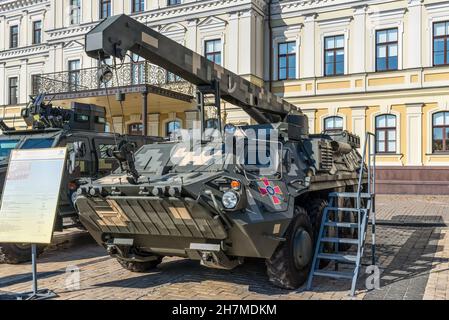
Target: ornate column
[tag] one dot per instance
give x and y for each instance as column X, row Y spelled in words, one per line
column 414, row 134
column 413, row 34
column 308, row 52
column 359, row 122
column 359, row 43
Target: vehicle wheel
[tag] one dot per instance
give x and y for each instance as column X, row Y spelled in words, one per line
column 315, row 208
column 290, row 264
column 17, row 253
column 136, row 266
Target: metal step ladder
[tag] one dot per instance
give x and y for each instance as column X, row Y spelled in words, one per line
column 334, row 234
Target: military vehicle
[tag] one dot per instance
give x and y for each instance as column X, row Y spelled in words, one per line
column 82, row 130
column 177, row 201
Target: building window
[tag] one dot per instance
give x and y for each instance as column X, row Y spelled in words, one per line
column 440, row 43
column 135, row 129
column 105, row 9
column 35, row 84
column 386, row 133
column 37, row 32
column 75, row 11
column 13, row 91
column 212, row 123
column 387, row 49
column 213, row 50
column 287, row 60
column 332, row 124
column 74, row 74
column 137, row 69
column 334, row 55
column 440, row 136
column 173, row 2
column 172, row 127
column 173, row 78
column 14, row 37
column 138, row 5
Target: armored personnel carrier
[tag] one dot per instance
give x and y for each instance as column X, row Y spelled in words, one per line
column 230, row 193
column 82, row 130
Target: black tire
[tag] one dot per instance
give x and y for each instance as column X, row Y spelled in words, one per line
column 17, row 253
column 282, row 268
column 139, row 267
column 315, row 209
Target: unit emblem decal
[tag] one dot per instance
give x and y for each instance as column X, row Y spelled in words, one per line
column 271, row 190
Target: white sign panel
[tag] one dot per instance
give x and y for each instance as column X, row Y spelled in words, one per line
column 30, row 195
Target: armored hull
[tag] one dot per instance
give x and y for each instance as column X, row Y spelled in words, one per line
column 174, row 210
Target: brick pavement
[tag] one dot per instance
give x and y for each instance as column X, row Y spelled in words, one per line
column 414, row 264
column 413, row 209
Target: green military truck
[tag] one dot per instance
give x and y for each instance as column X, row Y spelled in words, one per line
column 82, row 129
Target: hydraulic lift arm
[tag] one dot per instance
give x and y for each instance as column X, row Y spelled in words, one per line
column 117, row 35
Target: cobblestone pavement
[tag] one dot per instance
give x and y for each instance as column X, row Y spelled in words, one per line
column 413, row 261
column 413, row 209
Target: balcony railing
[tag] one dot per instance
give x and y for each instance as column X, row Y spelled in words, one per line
column 125, row 75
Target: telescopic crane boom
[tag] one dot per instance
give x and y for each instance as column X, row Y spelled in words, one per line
column 117, row 35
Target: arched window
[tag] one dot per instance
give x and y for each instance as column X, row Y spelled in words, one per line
column 135, row 129
column 386, row 133
column 334, row 123
column 212, row 123
column 440, row 134
column 172, row 126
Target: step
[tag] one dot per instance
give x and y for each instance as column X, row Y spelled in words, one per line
column 334, row 274
column 338, row 257
column 350, row 195
column 341, row 224
column 340, row 240
column 346, row 209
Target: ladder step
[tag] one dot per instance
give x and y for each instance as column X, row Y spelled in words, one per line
column 341, row 224
column 346, row 209
column 334, row 274
column 338, row 257
column 350, row 195
column 340, row 240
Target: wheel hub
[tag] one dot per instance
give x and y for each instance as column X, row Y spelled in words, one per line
column 302, row 248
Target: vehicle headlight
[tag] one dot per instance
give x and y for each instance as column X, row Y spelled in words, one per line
column 230, row 200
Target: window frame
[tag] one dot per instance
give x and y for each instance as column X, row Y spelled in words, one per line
column 167, row 133
column 386, row 131
column 214, row 53
column 333, row 129
column 444, row 127
column 34, row 84
column 286, row 56
column 135, row 132
column 108, row 4
column 14, row 37
column 10, row 87
column 334, row 50
column 137, row 3
column 76, row 72
column 37, row 40
column 75, row 7
column 177, row 2
column 387, row 45
column 445, row 37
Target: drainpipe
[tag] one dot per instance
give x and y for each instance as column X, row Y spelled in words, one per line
column 270, row 49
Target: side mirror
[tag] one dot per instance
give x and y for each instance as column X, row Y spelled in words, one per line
column 79, row 148
column 78, row 151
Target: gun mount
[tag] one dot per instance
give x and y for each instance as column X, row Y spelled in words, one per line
column 39, row 115
column 117, row 35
